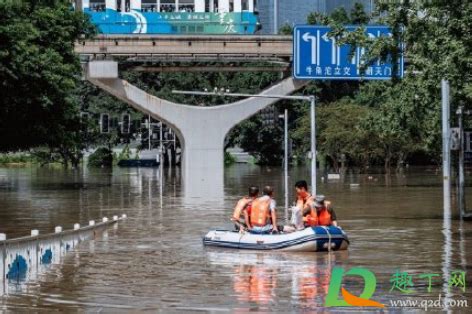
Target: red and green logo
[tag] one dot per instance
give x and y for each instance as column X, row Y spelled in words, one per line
column 335, row 286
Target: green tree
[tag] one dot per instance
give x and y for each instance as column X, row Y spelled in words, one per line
column 38, row 73
column 286, row 29
column 358, row 16
column 339, row 134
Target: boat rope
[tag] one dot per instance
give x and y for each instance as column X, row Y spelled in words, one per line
column 329, row 238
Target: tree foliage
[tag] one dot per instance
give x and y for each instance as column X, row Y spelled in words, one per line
column 400, row 118
column 38, row 74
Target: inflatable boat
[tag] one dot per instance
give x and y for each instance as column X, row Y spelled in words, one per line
column 312, row 239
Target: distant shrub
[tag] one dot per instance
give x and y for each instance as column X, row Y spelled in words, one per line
column 102, row 157
column 229, row 159
column 16, row 158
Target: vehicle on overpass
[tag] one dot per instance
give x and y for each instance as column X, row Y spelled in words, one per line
column 172, row 16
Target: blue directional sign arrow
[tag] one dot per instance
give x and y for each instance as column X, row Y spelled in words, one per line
column 316, row 55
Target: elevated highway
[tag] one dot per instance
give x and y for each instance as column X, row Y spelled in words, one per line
column 188, row 48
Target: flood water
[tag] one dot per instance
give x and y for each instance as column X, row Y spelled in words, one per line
column 155, row 259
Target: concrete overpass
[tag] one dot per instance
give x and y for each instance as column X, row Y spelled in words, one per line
column 197, row 48
column 201, row 130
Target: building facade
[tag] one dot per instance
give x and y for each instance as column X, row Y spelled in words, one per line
column 296, row 11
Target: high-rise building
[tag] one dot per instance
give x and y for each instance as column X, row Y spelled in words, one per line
column 296, row 11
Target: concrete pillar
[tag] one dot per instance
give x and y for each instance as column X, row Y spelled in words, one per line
column 111, row 4
column 135, row 5
column 201, row 130
column 237, row 6
column 223, row 6
column 199, row 5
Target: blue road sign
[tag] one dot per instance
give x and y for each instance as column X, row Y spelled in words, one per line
column 317, row 56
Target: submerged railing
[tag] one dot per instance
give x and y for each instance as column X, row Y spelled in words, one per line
column 22, row 257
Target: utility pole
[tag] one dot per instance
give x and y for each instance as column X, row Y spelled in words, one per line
column 276, row 17
column 286, row 157
column 313, row 144
column 446, row 148
column 161, row 146
column 461, row 196
column 149, row 132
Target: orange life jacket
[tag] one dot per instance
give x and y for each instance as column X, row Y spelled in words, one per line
column 249, row 208
column 323, row 218
column 260, row 211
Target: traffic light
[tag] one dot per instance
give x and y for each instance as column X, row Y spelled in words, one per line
column 104, row 123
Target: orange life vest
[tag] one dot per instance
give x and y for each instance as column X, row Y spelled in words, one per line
column 323, row 218
column 260, row 211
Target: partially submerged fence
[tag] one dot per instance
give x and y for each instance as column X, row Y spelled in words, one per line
column 22, row 257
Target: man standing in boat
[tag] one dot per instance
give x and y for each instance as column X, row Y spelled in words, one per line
column 263, row 216
column 243, row 207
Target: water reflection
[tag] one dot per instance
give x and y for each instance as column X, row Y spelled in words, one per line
column 261, row 278
column 203, row 184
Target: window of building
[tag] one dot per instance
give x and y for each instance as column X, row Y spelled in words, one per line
column 149, row 5
column 244, row 5
column 167, row 6
column 186, row 6
column 97, row 5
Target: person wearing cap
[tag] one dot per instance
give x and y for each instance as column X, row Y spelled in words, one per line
column 320, row 213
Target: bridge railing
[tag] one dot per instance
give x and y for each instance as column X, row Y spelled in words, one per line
column 22, row 258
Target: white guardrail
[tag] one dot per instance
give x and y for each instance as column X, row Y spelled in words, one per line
column 22, row 257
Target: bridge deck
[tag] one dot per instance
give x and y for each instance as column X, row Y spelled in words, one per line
column 189, row 47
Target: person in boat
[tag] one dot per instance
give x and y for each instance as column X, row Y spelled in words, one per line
column 320, row 213
column 304, row 198
column 303, row 203
column 243, row 209
column 263, row 216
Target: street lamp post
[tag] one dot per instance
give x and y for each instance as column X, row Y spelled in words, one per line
column 276, row 17
column 310, row 99
column 285, row 118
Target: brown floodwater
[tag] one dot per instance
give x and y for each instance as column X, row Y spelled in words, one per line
column 155, row 260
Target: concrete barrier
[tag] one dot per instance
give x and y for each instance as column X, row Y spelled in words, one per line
column 21, row 258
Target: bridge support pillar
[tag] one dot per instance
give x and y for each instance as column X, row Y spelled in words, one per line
column 201, row 130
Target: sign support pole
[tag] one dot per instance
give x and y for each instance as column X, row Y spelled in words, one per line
column 313, row 144
column 461, row 195
column 286, row 159
column 446, row 148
